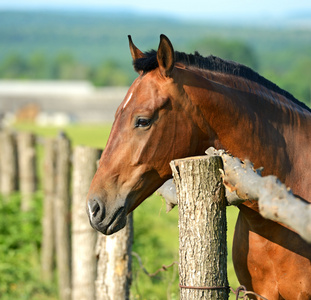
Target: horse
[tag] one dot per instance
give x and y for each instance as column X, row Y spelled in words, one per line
column 180, row 105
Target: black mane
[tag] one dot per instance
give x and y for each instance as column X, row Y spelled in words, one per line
column 213, row 63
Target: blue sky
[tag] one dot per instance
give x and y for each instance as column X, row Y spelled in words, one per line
column 191, row 9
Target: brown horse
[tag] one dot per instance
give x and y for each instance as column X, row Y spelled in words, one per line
column 179, row 106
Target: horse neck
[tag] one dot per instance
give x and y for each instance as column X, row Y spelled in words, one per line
column 247, row 119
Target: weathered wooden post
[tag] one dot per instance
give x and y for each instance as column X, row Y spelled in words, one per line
column 114, row 274
column 49, row 188
column 83, row 235
column 8, row 163
column 26, row 143
column 202, row 228
column 62, row 217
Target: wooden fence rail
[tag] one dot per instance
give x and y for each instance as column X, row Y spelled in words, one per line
column 276, row 201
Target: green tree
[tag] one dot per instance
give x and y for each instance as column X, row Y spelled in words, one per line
column 66, row 67
column 298, row 81
column 14, row 66
column 234, row 50
column 38, row 66
column 110, row 73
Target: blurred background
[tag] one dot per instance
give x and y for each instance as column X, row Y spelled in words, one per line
column 65, row 65
column 84, row 45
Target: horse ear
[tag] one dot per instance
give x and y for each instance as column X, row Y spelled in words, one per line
column 135, row 52
column 165, row 56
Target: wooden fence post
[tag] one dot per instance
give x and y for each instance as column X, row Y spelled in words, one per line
column 83, row 235
column 26, row 168
column 8, row 163
column 114, row 273
column 202, row 228
column 49, row 187
column 62, row 217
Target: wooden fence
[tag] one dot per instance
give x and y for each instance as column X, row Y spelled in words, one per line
column 92, row 266
column 88, row 264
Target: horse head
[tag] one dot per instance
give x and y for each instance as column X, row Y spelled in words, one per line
column 152, row 126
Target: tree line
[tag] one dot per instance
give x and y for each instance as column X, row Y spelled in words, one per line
column 111, row 72
column 63, row 66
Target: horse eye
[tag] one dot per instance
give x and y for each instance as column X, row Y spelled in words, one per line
column 142, row 122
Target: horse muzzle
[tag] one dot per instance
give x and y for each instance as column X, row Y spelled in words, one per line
column 104, row 221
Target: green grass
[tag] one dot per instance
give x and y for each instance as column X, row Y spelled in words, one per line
column 155, row 231
column 20, row 240
column 88, row 135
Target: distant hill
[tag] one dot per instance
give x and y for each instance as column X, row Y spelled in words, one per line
column 279, row 45
column 98, row 36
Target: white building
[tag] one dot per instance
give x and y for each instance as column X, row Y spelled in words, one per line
column 66, row 100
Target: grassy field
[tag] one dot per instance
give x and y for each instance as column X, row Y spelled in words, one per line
column 155, row 232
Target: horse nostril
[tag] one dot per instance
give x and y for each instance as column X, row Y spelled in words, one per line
column 96, row 210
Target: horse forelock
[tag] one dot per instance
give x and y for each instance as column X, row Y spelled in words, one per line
column 213, row 63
